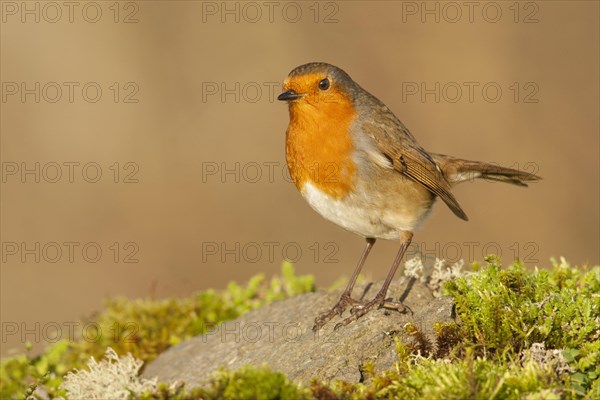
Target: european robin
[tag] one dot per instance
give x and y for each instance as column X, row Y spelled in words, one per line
column 358, row 166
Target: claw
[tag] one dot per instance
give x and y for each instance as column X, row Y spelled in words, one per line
column 338, row 309
column 393, row 305
column 359, row 311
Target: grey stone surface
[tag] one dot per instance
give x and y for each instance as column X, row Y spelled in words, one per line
column 280, row 336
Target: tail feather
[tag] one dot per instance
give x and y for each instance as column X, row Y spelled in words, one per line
column 457, row 170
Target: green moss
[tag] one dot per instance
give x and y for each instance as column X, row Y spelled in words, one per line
column 248, row 383
column 495, row 351
column 468, row 378
column 255, row 383
column 510, row 309
column 145, row 328
column 504, row 311
column 520, row 335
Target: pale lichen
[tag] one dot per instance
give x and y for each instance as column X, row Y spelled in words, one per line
column 439, row 273
column 113, row 377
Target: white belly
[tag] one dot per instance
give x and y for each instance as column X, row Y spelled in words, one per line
column 356, row 215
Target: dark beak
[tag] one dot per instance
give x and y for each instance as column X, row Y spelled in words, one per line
column 289, row 95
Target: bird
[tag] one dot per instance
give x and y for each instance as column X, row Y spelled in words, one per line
column 358, row 166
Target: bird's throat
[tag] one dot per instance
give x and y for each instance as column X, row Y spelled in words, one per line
column 319, row 146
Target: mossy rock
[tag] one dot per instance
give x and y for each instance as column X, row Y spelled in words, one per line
column 517, row 334
column 280, row 336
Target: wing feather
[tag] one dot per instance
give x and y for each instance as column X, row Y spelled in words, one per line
column 396, row 142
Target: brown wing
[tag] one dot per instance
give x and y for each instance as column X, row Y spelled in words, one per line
column 395, row 141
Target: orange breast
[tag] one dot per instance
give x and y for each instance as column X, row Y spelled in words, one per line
column 319, row 145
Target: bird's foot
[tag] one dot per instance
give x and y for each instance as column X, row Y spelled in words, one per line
column 338, row 309
column 359, row 310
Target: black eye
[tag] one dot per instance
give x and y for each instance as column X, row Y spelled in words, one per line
column 324, row 84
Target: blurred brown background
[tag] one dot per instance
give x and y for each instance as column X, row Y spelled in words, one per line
column 189, row 141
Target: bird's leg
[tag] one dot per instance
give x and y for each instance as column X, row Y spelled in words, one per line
column 345, row 299
column 379, row 300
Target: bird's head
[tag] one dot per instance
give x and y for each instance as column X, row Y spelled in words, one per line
column 318, row 88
